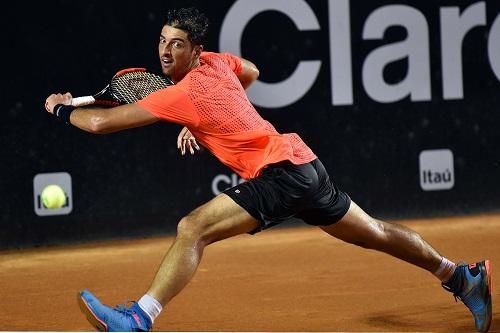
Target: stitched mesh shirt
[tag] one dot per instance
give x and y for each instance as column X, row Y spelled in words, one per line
column 211, row 102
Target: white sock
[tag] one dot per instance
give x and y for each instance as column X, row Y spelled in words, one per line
column 151, row 306
column 445, row 270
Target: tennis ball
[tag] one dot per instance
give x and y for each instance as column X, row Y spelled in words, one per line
column 53, row 197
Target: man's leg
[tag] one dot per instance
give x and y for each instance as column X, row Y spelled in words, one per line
column 218, row 219
column 358, row 228
column 470, row 283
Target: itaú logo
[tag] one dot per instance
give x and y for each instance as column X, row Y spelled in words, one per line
column 454, row 26
column 436, row 170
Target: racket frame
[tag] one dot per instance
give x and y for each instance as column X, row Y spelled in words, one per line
column 114, row 101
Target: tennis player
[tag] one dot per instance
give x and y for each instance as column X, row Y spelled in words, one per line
column 284, row 178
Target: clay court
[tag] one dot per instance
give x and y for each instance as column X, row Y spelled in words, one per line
column 287, row 279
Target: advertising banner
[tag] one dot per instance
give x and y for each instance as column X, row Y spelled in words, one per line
column 399, row 99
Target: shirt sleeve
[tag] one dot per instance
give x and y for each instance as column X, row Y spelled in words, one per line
column 171, row 104
column 233, row 61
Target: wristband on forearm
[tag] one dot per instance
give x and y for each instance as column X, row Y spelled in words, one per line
column 63, row 112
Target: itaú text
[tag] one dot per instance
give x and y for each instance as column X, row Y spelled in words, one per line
column 454, row 26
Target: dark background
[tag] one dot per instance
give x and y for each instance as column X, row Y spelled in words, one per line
column 136, row 184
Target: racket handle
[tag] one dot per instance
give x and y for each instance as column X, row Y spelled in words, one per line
column 81, row 101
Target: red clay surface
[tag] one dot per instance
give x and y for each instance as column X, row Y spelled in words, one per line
column 297, row 279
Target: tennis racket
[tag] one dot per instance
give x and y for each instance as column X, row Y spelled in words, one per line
column 126, row 87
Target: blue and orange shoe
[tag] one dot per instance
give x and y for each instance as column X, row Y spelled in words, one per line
column 108, row 319
column 472, row 285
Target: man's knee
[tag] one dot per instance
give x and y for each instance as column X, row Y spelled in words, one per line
column 388, row 233
column 190, row 227
column 376, row 232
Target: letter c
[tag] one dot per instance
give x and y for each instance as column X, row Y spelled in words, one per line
column 494, row 46
column 290, row 90
column 221, row 178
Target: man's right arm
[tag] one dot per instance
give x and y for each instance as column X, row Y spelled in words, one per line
column 100, row 120
column 109, row 120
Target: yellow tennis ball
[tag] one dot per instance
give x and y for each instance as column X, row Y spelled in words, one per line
column 53, row 197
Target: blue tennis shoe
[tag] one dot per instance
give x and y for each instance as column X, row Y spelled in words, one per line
column 472, row 285
column 108, row 319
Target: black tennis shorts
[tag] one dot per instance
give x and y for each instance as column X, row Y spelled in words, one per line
column 284, row 190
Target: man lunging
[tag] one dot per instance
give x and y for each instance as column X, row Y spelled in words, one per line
column 284, row 178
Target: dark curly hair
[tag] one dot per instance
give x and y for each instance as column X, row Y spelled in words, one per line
column 191, row 20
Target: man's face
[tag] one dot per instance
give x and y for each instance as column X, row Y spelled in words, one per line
column 177, row 54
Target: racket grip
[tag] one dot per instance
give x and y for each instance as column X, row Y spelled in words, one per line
column 81, row 101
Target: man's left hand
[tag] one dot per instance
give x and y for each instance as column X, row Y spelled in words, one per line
column 186, row 139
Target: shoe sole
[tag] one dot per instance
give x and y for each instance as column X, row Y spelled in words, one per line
column 488, row 291
column 91, row 317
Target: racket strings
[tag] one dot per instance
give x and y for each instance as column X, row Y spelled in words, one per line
column 134, row 86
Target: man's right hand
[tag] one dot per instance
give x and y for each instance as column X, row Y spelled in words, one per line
column 186, row 139
column 55, row 99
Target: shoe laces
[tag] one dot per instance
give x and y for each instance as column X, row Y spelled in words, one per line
column 455, row 295
column 124, row 308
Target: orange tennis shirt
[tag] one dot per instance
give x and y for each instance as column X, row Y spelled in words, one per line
column 211, row 102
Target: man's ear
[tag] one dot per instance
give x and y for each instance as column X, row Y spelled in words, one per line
column 197, row 50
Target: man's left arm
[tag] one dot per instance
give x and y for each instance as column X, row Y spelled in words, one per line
column 249, row 73
column 245, row 70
